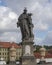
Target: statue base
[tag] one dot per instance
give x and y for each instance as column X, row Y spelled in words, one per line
column 12, row 62
column 27, row 53
column 28, row 60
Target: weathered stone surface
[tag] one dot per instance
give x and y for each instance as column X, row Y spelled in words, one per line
column 28, row 60
column 27, row 55
column 24, row 44
column 26, row 26
column 12, row 63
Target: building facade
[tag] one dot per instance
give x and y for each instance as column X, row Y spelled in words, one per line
column 5, row 50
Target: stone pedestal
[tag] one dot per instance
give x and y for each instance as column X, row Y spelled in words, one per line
column 28, row 60
column 12, row 62
column 27, row 54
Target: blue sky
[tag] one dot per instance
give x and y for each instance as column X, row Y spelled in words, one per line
column 42, row 20
column 2, row 3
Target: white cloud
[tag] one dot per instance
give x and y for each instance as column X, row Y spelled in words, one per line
column 38, row 41
column 7, row 18
column 40, row 26
column 12, row 15
column 48, row 39
column 8, row 21
column 42, row 16
column 41, row 9
column 12, row 37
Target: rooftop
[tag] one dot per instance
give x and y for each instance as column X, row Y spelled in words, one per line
column 47, row 55
column 9, row 44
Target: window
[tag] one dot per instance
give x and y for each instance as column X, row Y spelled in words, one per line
column 3, row 53
column 5, row 49
column 0, row 49
column 5, row 57
column 0, row 53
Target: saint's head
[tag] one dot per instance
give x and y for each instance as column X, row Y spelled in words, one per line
column 25, row 10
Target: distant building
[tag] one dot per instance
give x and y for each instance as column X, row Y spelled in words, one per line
column 5, row 50
column 48, row 57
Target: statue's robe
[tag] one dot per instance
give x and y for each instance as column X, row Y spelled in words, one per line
column 22, row 20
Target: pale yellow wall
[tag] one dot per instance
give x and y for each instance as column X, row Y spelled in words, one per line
column 19, row 52
column 4, row 53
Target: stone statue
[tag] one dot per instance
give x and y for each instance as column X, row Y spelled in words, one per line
column 25, row 24
column 30, row 25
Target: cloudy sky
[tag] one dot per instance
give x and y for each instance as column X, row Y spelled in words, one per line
column 42, row 20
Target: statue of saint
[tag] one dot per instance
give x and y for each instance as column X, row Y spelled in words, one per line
column 30, row 25
column 25, row 24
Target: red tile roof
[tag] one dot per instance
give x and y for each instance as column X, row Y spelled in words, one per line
column 47, row 55
column 9, row 44
column 50, row 51
column 37, row 55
